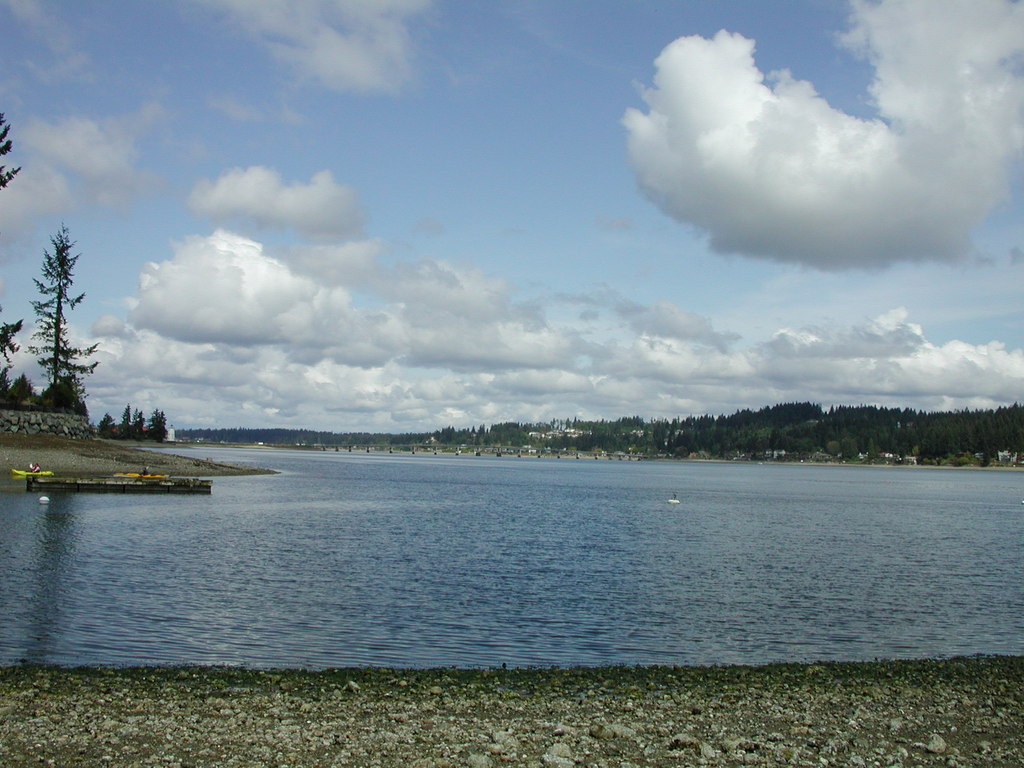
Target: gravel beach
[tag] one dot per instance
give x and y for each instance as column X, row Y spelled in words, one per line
column 99, row 458
column 959, row 712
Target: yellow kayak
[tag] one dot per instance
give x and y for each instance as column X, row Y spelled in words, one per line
column 139, row 475
column 27, row 473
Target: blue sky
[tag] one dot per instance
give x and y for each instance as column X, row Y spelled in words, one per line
column 403, row 214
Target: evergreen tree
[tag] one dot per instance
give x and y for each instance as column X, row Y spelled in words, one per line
column 138, row 430
column 124, row 428
column 5, row 147
column 106, row 427
column 7, row 346
column 7, row 330
column 21, row 390
column 57, row 357
column 157, row 426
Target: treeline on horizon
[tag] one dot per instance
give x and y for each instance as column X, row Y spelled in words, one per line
column 785, row 431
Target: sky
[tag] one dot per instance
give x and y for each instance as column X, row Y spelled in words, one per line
column 400, row 215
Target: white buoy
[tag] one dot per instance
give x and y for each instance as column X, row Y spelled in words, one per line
column 44, row 499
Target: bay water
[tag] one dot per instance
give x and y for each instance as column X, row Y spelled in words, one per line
column 355, row 559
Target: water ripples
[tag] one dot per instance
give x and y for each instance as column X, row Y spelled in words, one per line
column 348, row 559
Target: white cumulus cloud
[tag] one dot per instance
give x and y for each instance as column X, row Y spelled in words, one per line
column 230, row 331
column 768, row 168
column 224, row 289
column 229, row 291
column 321, row 209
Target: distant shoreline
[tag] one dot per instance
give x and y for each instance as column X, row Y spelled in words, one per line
column 82, row 458
column 582, row 456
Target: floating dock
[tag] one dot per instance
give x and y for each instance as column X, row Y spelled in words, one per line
column 120, row 484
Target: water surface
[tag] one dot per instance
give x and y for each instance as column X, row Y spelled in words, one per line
column 410, row 561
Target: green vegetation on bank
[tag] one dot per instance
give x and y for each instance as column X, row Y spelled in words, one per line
column 787, row 432
column 134, row 426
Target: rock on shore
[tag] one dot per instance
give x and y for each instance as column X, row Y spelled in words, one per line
column 98, row 458
column 958, row 712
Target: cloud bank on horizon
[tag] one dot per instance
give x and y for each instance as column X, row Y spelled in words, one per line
column 302, row 303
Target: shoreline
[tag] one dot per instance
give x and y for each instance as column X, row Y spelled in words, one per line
column 96, row 457
column 951, row 712
column 512, row 455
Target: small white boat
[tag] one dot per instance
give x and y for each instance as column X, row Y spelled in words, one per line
column 674, row 499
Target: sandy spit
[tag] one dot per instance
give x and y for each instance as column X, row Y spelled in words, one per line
column 100, row 458
column 957, row 712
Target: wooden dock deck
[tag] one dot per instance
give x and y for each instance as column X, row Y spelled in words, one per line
column 120, row 484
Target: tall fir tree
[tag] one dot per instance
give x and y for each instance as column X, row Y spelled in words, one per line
column 157, row 426
column 8, row 346
column 5, row 147
column 138, row 425
column 106, row 428
column 62, row 362
column 7, row 330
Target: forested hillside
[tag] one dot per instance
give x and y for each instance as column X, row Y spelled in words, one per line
column 791, row 431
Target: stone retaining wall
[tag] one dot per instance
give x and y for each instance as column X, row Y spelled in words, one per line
column 40, row 422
